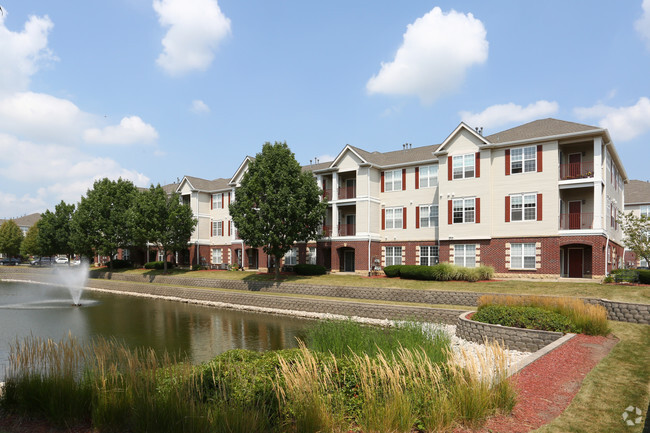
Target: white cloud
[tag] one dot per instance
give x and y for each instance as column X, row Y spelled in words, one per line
column 642, row 25
column 503, row 114
column 623, row 123
column 195, row 29
column 437, row 50
column 22, row 53
column 131, row 130
column 199, row 107
column 13, row 206
column 38, row 116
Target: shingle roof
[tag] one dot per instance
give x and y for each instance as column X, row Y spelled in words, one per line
column 170, row 188
column 26, row 220
column 403, row 156
column 314, row 167
column 539, row 129
column 637, row 191
column 208, row 185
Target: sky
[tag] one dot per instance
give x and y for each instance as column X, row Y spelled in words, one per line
column 153, row 90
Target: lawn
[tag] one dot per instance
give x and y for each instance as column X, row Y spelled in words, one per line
column 614, row 292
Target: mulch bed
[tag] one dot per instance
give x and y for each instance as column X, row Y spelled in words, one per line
column 545, row 389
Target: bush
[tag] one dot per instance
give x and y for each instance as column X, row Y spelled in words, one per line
column 158, row 265
column 524, row 317
column 307, row 269
column 392, row 271
column 119, row 264
column 644, row 276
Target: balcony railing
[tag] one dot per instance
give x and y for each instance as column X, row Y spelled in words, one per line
column 347, row 192
column 327, row 193
column 576, row 221
column 326, row 231
column 347, row 229
column 577, row 170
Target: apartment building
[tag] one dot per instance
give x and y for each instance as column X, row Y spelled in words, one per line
column 637, row 201
column 537, row 200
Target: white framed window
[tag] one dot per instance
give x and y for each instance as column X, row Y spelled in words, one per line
column 393, row 180
column 428, row 255
column 645, row 211
column 428, row 176
column 464, row 210
column 429, row 215
column 465, row 255
column 291, row 257
column 463, row 166
column 217, row 201
column 523, row 207
column 217, row 228
column 216, row 256
column 522, row 256
column 393, row 256
column 394, row 218
column 126, row 254
column 311, row 255
column 523, row 159
column 161, row 255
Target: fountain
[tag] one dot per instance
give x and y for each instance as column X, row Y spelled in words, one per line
column 74, row 279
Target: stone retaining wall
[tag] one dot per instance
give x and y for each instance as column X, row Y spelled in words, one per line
column 524, row 340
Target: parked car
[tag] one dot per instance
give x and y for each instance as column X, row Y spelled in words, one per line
column 61, row 260
column 13, row 261
column 43, row 261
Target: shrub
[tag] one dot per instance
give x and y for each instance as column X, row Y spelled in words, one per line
column 392, row 271
column 415, row 272
column 119, row 264
column 444, row 272
column 608, row 279
column 485, row 272
column 308, row 269
column 158, row 265
column 644, row 276
column 524, row 317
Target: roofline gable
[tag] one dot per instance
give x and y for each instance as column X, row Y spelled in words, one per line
column 185, row 179
column 244, row 163
column 462, row 125
column 342, row 152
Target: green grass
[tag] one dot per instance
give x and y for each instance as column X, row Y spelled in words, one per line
column 622, row 292
column 620, row 380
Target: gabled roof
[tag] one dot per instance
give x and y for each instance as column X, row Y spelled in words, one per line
column 196, row 183
column 539, row 129
column 461, row 126
column 25, row 220
column 387, row 159
column 242, row 166
column 637, row 192
column 314, row 167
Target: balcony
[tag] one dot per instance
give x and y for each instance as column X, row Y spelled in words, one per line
column 327, row 193
column 576, row 221
column 347, row 229
column 577, row 170
column 347, row 192
column 326, row 231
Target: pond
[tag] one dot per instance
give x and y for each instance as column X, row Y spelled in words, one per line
column 198, row 332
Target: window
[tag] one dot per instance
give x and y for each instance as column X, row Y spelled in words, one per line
column 523, row 160
column 161, row 255
column 463, row 166
column 429, row 215
column 290, row 258
column 645, row 211
column 216, row 256
column 394, row 218
column 428, row 176
column 465, row 255
column 523, row 207
column 463, row 210
column 311, row 255
column 126, row 254
column 428, row 255
column 217, row 228
column 393, row 256
column 217, row 201
column 522, row 256
column 393, row 180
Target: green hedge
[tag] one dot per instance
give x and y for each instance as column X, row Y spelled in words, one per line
column 307, row 269
column 524, row 317
column 158, row 265
column 644, row 276
column 439, row 272
column 119, row 264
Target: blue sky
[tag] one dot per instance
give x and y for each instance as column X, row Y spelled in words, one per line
column 152, row 90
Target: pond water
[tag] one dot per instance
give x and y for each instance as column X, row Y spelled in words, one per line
column 196, row 331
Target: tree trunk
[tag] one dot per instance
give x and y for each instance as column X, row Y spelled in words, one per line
column 277, row 267
column 164, row 262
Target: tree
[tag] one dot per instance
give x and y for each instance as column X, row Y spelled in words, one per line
column 30, row 246
column 636, row 230
column 55, row 231
column 277, row 204
column 161, row 220
column 11, row 236
column 101, row 219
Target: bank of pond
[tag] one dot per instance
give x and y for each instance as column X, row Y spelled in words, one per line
column 344, row 377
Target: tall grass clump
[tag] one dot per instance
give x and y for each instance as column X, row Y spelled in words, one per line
column 586, row 318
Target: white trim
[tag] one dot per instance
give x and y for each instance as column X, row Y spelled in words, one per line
column 462, row 125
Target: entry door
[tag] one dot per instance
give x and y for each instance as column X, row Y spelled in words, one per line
column 348, row 261
column 574, row 165
column 575, row 262
column 575, row 208
column 252, row 258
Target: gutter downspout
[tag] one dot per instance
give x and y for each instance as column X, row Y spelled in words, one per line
column 368, row 215
column 606, row 251
column 198, row 229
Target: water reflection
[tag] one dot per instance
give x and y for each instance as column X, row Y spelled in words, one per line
column 196, row 331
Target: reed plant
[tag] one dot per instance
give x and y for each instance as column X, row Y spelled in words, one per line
column 586, row 318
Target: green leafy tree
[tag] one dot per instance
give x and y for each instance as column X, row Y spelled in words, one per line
column 30, row 246
column 101, row 219
column 162, row 220
column 11, row 237
column 55, row 231
column 277, row 203
column 636, row 230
